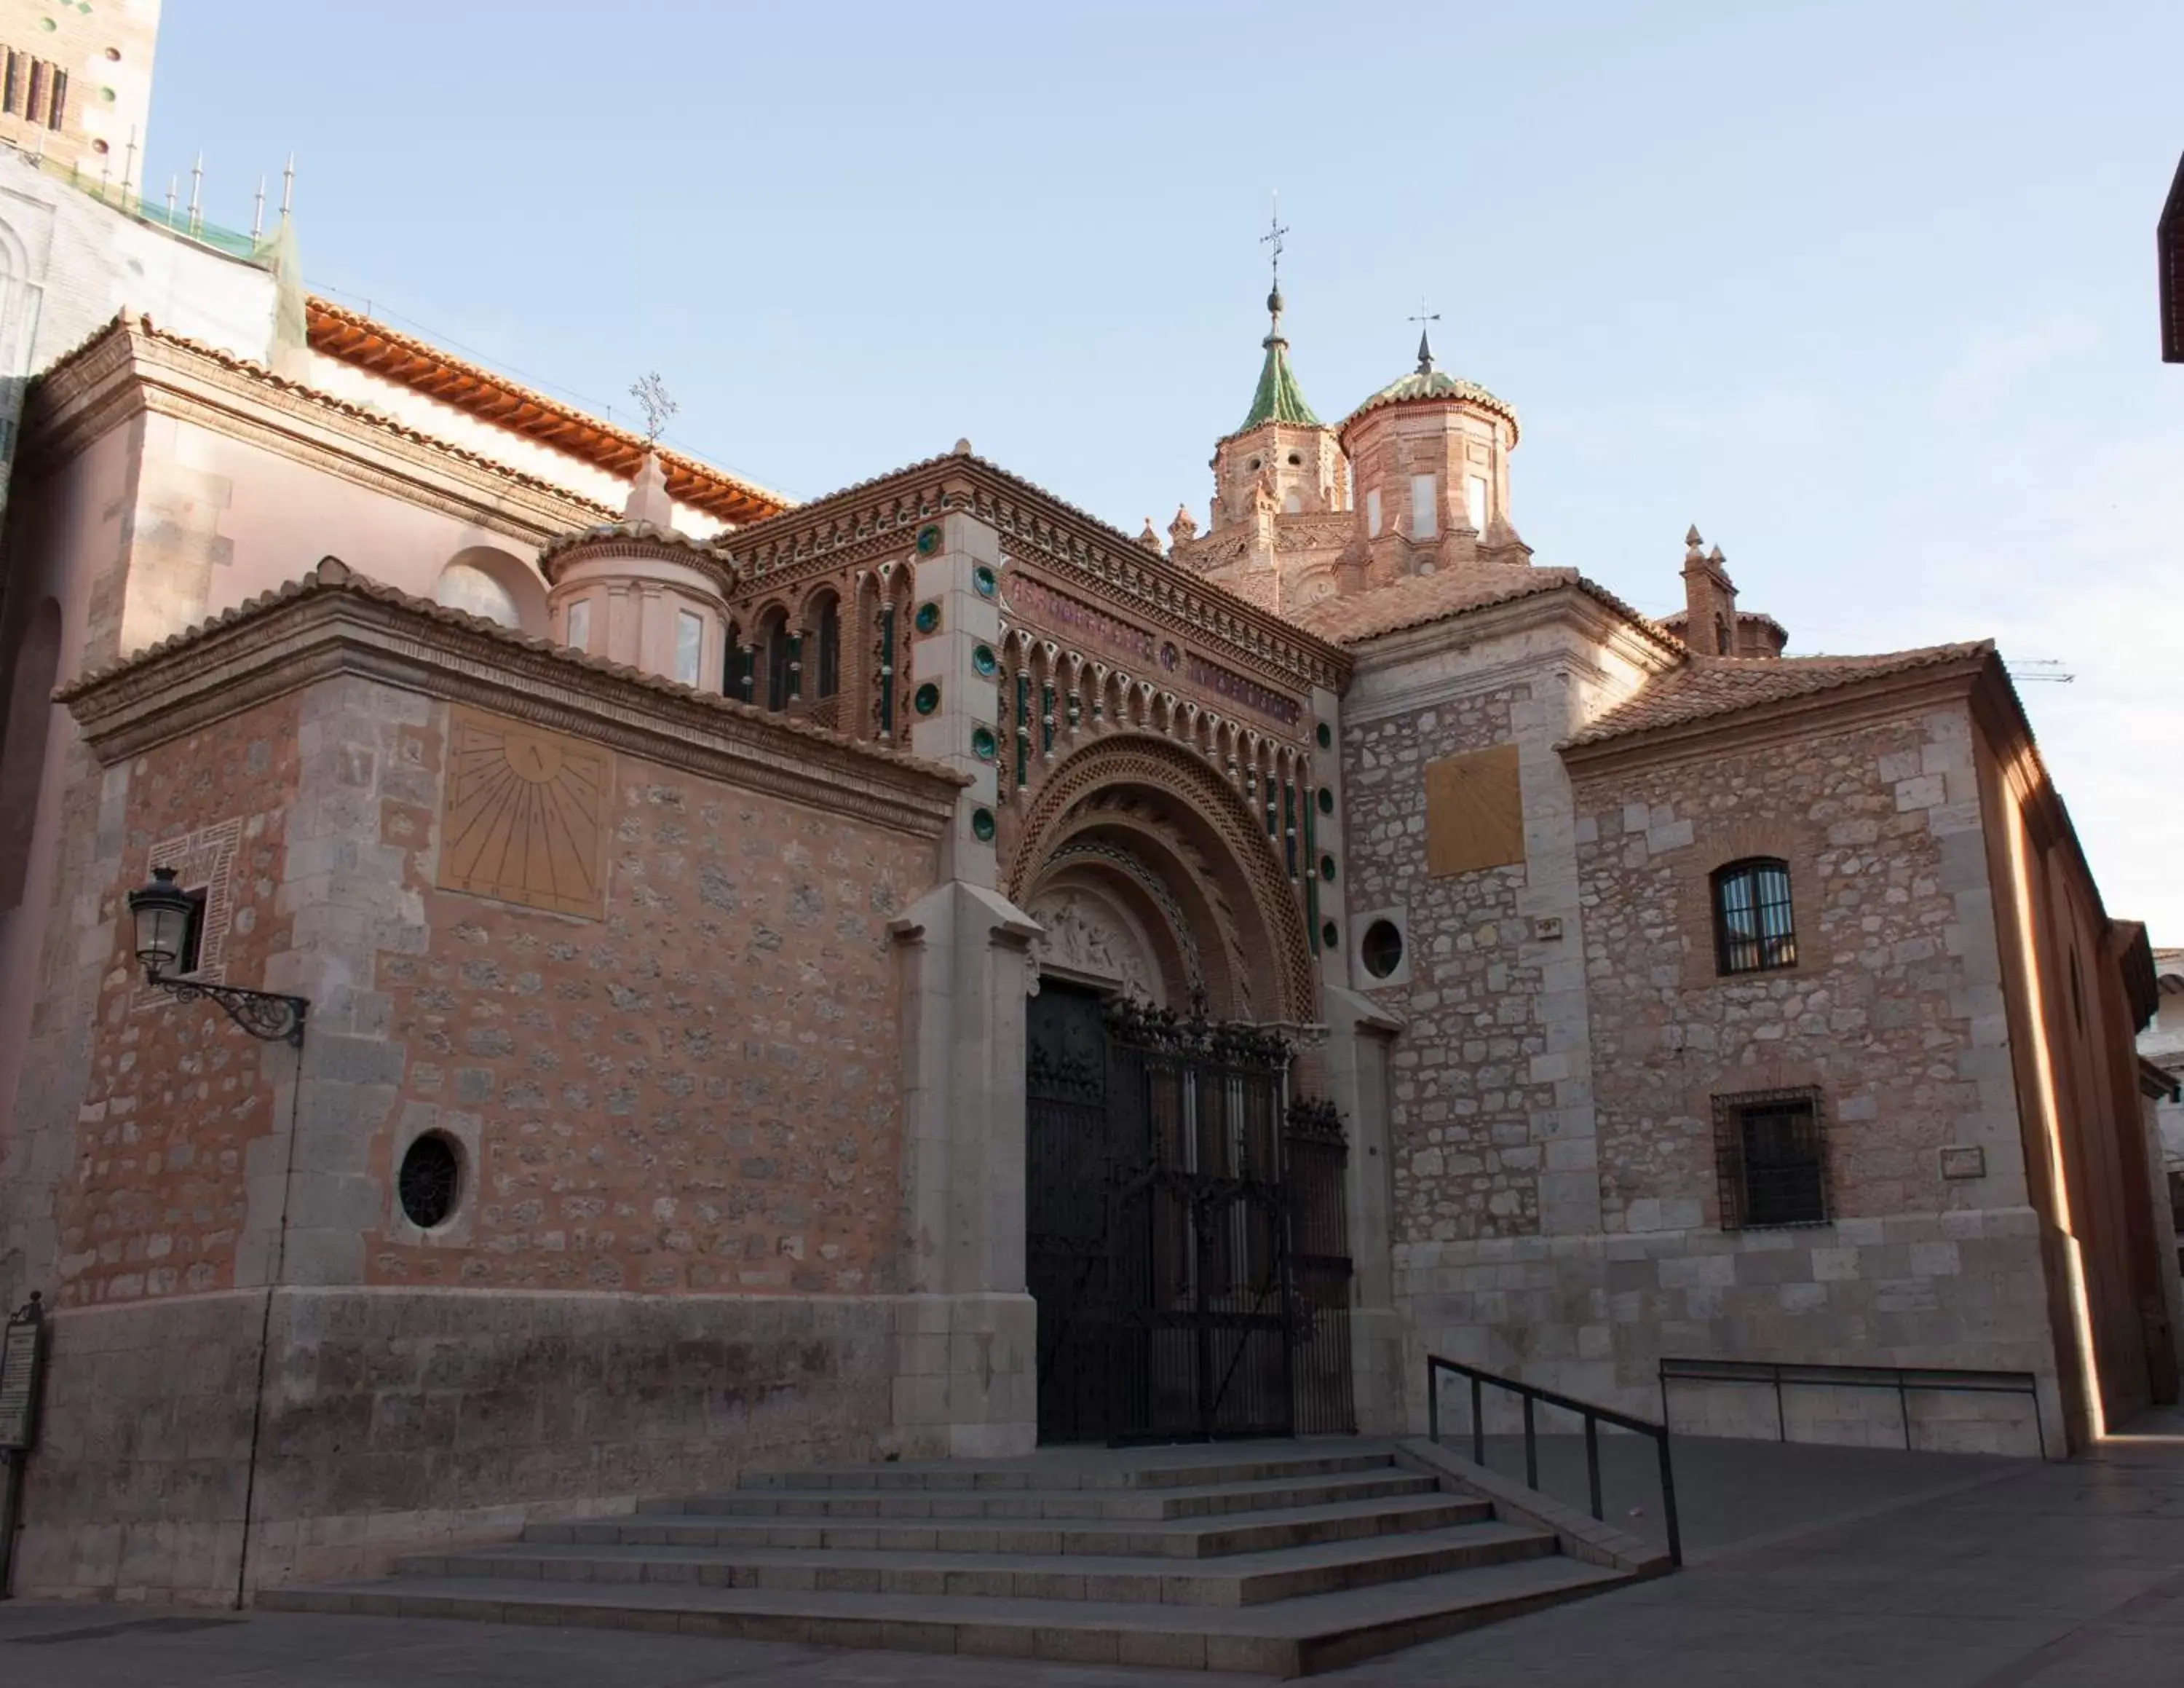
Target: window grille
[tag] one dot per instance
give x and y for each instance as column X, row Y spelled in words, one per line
column 1770, row 1151
column 1753, row 931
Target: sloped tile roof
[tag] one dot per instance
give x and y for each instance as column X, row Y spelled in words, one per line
column 1278, row 396
column 1434, row 386
column 332, row 575
column 1707, row 686
column 350, row 337
column 1421, row 598
column 127, row 321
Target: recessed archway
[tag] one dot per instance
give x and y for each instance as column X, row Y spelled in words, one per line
column 1161, row 827
column 493, row 584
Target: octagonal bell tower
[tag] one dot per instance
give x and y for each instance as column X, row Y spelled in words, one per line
column 1430, row 457
column 1281, row 493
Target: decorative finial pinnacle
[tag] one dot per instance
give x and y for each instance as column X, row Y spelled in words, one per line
column 1271, row 239
column 1425, row 346
column 1691, row 535
column 650, row 392
column 1715, row 556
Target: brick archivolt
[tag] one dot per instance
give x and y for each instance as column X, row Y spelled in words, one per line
column 1188, row 824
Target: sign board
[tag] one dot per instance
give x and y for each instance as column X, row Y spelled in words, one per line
column 21, row 1354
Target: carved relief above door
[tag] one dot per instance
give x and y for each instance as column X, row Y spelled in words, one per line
column 1092, row 941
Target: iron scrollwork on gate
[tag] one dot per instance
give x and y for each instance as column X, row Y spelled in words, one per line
column 1187, row 1238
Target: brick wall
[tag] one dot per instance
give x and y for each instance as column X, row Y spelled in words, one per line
column 176, row 1097
column 696, row 1093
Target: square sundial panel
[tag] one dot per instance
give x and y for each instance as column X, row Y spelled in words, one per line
column 525, row 819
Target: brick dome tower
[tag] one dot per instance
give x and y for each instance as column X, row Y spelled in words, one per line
column 1430, row 454
column 638, row 591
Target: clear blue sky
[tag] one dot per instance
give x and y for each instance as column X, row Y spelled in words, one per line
column 1867, row 291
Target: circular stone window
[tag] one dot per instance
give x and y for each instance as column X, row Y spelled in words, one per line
column 430, row 1180
column 1382, row 949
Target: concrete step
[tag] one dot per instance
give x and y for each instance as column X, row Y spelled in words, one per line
column 1177, row 1502
column 1195, row 1466
column 1265, row 1530
column 1250, row 1580
column 1277, row 1638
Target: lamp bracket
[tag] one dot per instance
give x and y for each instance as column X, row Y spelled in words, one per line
column 266, row 1015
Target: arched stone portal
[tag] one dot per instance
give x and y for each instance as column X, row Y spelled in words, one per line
column 1170, row 978
column 1158, row 858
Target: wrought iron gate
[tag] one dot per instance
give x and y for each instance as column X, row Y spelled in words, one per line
column 1185, row 1238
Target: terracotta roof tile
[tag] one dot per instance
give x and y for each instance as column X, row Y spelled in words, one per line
column 333, row 575
column 1707, row 686
column 371, row 345
column 1423, row 599
column 129, row 321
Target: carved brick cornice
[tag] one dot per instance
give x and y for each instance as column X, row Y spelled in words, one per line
column 131, row 368
column 879, row 518
column 334, row 622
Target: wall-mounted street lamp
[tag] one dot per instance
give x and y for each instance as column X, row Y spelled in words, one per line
column 163, row 911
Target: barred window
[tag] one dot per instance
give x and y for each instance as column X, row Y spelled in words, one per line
column 1752, row 928
column 1770, row 1154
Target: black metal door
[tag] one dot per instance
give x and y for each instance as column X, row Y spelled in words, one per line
column 1069, row 1179
column 1186, row 1238
column 1199, row 1237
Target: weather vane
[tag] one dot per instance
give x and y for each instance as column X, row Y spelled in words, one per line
column 1425, row 346
column 650, row 392
column 1272, row 238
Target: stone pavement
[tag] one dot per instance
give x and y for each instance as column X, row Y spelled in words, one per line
column 1919, row 1570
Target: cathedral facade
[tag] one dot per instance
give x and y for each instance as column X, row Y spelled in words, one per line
column 923, row 971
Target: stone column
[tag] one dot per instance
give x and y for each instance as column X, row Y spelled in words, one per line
column 967, row 1359
column 1356, row 1062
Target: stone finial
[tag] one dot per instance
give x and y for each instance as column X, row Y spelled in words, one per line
column 1715, row 558
column 1149, row 539
column 1184, row 528
column 962, row 448
column 333, row 572
column 1691, row 544
column 649, row 502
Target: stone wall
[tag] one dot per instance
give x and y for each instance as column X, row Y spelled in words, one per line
column 1464, row 1160
column 677, row 1251
column 1894, row 1012
column 1893, row 1008
column 393, row 1419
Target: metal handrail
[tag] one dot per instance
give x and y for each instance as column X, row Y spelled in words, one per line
column 1593, row 1415
column 1935, row 1379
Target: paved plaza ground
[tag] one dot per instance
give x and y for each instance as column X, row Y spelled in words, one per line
column 1810, row 1566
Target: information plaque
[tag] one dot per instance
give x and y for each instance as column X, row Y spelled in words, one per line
column 19, row 1354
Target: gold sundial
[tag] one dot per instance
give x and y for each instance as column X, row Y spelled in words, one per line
column 525, row 813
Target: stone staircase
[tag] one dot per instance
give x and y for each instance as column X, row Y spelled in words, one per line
column 1277, row 1558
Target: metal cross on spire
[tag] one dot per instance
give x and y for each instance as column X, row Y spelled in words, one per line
column 1425, row 346
column 1273, row 239
column 650, row 392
